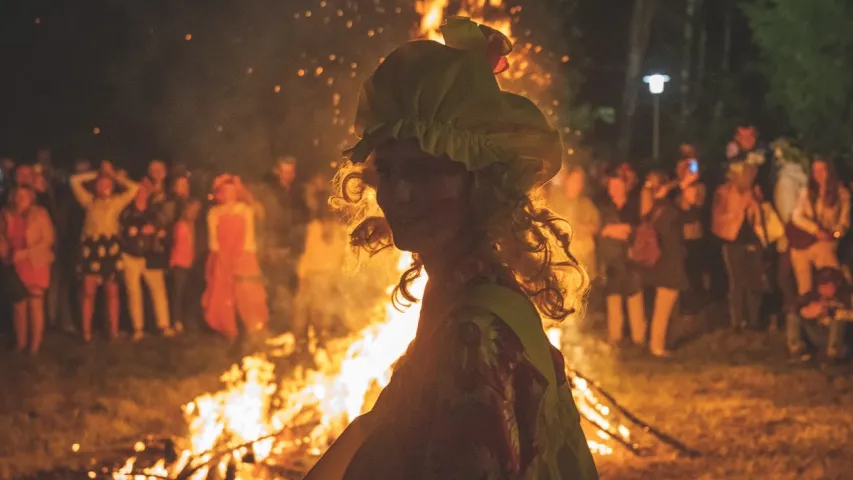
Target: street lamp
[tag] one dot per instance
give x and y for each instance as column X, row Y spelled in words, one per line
column 656, row 83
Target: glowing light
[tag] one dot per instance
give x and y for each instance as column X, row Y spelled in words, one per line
column 37, row 21
column 318, row 71
column 75, row 448
column 656, row 82
column 139, row 447
column 276, row 88
column 300, row 72
column 188, row 37
column 564, row 59
column 96, row 130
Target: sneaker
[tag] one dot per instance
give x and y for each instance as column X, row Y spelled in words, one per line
column 137, row 336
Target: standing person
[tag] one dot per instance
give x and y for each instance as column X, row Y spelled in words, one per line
column 233, row 275
column 736, row 220
column 181, row 262
column 26, row 243
column 619, row 218
column 577, row 208
column 480, row 392
column 100, row 250
column 667, row 275
column 791, row 179
column 283, row 233
column 157, row 174
column 823, row 215
column 144, row 256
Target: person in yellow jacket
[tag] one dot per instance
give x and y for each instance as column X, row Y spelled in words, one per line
column 455, row 164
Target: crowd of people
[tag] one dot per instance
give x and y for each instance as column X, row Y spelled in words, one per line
column 65, row 239
column 774, row 222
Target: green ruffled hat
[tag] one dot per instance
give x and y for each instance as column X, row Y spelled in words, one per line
column 447, row 97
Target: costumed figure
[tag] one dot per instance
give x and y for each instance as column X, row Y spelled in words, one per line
column 455, row 164
column 233, row 275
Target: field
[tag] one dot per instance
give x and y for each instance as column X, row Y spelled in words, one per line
column 731, row 396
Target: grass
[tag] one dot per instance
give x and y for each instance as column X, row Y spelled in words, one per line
column 731, row 396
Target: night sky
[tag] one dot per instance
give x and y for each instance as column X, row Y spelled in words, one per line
column 129, row 70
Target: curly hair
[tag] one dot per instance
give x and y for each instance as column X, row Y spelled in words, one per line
column 515, row 230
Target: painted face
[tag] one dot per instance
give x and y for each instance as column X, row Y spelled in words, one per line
column 574, row 184
column 820, row 172
column 424, row 198
column 23, row 199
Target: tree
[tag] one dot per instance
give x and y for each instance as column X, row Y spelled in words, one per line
column 638, row 43
column 806, row 49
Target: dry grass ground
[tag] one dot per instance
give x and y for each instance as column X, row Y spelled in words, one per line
column 731, row 396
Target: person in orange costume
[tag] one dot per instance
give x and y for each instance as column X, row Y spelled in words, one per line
column 233, row 275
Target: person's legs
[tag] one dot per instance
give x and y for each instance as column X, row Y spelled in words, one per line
column 637, row 317
column 113, row 304
column 665, row 299
column 252, row 304
column 156, row 281
column 752, row 268
column 733, row 256
column 36, row 311
column 133, row 268
column 615, row 318
column 177, row 301
column 87, row 304
column 788, row 288
column 801, row 264
column 19, row 316
column 835, row 343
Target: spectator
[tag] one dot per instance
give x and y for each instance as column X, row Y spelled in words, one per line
column 791, row 179
column 736, row 219
column 621, row 277
column 575, row 206
column 181, row 261
column 286, row 215
column 667, row 276
column 233, row 274
column 320, row 271
column 144, row 256
column 826, row 309
column 823, row 214
column 100, row 250
column 26, row 241
column 157, row 173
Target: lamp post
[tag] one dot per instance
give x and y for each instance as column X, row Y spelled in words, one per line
column 656, row 83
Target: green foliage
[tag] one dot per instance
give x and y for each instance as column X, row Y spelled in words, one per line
column 806, row 48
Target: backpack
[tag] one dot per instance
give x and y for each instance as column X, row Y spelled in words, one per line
column 645, row 250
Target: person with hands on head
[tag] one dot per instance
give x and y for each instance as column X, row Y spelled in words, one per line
column 100, row 248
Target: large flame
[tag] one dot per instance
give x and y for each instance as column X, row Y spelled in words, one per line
column 276, row 421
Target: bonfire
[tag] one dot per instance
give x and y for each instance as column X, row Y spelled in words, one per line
column 269, row 424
